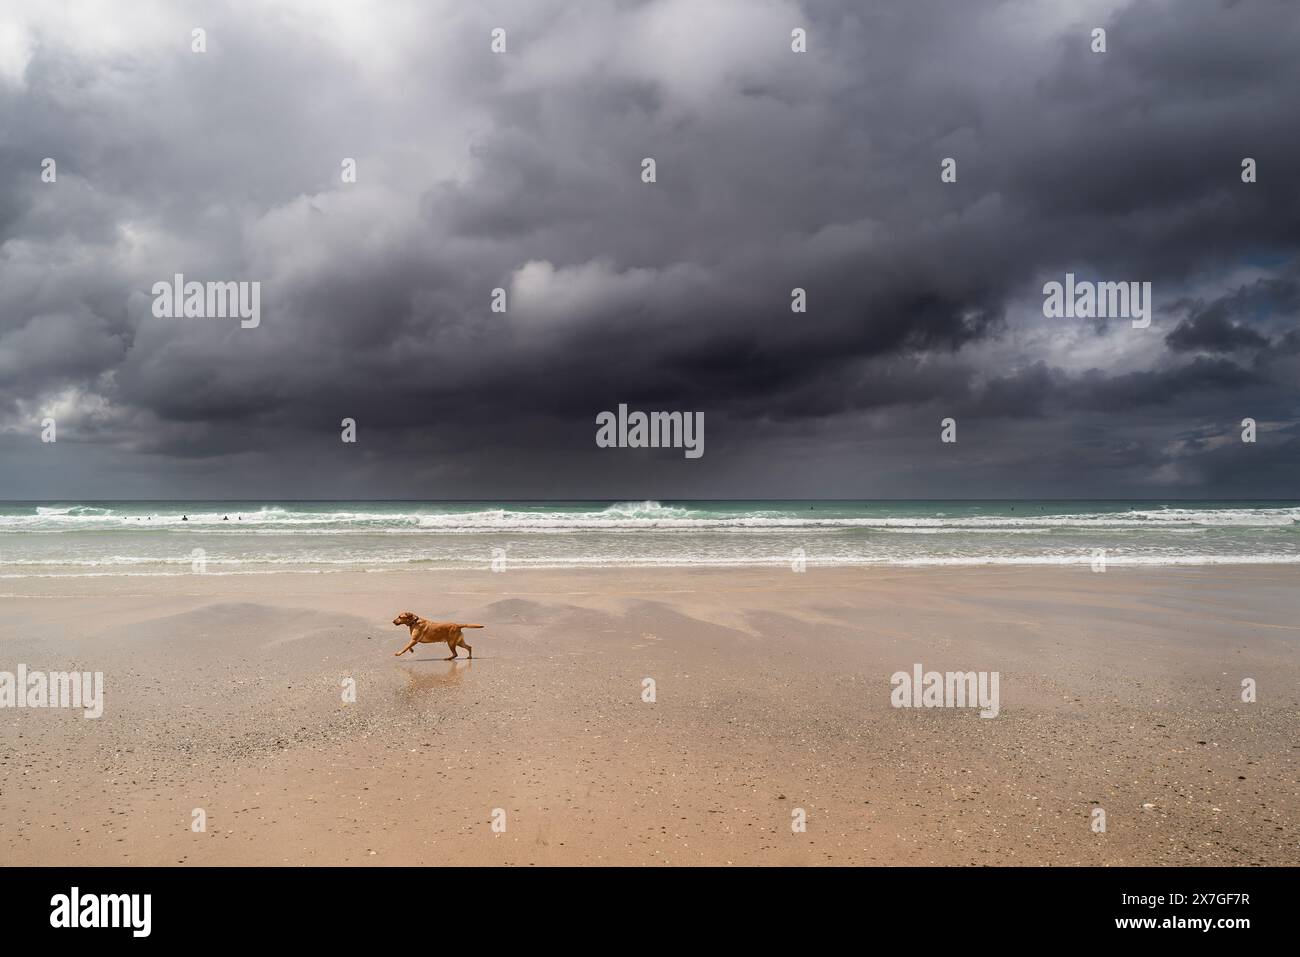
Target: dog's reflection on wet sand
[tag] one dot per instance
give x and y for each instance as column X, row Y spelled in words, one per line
column 435, row 675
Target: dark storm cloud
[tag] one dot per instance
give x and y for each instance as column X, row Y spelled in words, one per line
column 1202, row 377
column 1212, row 331
column 1227, row 324
column 775, row 171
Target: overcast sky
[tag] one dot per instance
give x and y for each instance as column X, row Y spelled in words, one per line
column 775, row 170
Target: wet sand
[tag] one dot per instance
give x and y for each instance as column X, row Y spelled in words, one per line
column 1119, row 691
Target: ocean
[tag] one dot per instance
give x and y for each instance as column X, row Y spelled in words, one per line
column 225, row 538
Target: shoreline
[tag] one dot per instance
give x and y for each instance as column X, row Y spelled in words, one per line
column 415, row 567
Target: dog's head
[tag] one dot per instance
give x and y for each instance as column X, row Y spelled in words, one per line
column 406, row 618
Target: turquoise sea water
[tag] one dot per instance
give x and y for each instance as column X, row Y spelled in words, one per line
column 169, row 538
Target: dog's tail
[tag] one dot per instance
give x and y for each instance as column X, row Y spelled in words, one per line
column 469, row 626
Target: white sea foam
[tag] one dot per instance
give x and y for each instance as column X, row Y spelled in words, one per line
column 629, row 515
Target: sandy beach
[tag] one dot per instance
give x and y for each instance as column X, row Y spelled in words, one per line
column 224, row 694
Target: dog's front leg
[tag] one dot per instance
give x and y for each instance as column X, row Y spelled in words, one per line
column 399, row 654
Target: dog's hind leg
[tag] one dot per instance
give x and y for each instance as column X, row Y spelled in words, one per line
column 468, row 648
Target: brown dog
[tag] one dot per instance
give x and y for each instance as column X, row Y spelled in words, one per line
column 424, row 631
